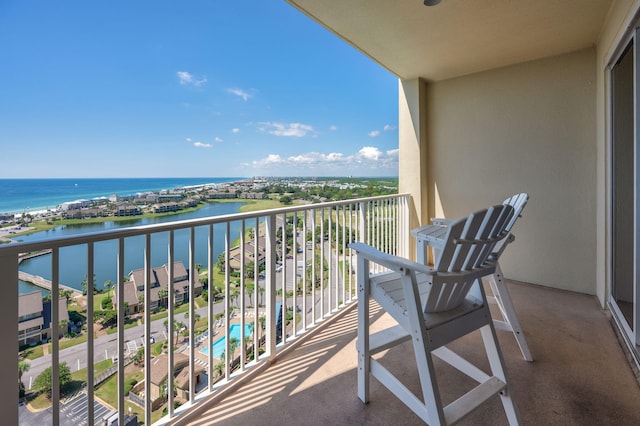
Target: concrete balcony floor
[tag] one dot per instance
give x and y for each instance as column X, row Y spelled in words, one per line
column 580, row 375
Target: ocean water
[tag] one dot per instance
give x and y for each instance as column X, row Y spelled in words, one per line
column 29, row 195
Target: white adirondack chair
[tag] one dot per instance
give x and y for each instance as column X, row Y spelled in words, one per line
column 432, row 235
column 434, row 307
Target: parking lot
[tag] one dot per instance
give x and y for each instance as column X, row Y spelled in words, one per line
column 72, row 413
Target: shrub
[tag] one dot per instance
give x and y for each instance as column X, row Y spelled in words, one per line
column 106, row 303
column 128, row 385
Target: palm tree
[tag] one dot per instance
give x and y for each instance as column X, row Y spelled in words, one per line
column 64, row 325
column 219, row 368
column 261, row 292
column 162, row 294
column 66, row 293
column 234, row 342
column 23, row 367
column 249, row 290
column 109, row 285
column 234, row 296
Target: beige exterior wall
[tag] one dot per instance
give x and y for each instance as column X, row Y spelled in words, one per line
column 413, row 149
column 525, row 128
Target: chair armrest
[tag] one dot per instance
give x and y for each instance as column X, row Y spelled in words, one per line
column 389, row 261
column 441, row 221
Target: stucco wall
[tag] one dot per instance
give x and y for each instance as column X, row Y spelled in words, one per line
column 525, row 128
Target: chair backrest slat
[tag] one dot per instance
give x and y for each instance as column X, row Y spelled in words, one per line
column 468, row 244
column 518, row 202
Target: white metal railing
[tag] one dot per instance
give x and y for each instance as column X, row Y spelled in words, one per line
column 307, row 274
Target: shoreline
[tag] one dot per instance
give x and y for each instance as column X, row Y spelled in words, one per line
column 46, row 209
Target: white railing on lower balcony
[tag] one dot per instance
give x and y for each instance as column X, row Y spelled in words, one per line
column 297, row 272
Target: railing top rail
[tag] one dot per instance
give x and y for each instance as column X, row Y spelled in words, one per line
column 133, row 231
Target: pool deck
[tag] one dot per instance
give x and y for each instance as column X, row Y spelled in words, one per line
column 218, row 332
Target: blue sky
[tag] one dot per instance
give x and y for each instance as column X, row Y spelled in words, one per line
column 187, row 88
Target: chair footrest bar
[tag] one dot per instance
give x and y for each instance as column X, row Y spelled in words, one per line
column 461, row 364
column 399, row 390
column 387, row 338
column 502, row 325
column 468, row 402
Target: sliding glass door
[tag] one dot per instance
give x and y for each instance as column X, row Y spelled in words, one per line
column 625, row 152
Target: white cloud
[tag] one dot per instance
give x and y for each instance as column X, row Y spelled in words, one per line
column 239, row 92
column 217, row 139
column 188, row 79
column 199, row 144
column 388, row 127
column 269, row 160
column 333, row 128
column 188, row 139
column 235, row 130
column 370, row 153
column 297, row 130
column 368, row 160
column 374, row 133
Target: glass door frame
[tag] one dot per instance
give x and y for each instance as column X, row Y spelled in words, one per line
column 631, row 333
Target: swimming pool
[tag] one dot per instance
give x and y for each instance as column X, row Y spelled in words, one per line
column 219, row 345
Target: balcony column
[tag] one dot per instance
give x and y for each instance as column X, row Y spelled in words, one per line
column 413, row 155
column 9, row 339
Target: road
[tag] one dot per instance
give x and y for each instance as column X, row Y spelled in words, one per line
column 105, row 346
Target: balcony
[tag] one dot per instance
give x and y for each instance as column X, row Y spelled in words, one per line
column 304, row 278
column 580, row 375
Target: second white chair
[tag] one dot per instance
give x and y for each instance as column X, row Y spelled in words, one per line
column 434, row 307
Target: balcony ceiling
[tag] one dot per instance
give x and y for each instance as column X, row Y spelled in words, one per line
column 459, row 37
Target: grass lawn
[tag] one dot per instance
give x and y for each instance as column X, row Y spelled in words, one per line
column 41, row 401
column 33, row 353
column 108, row 391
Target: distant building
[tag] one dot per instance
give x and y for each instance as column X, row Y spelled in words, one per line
column 70, row 205
column 127, row 210
column 166, row 207
column 235, row 254
column 34, row 318
column 134, row 288
column 159, row 373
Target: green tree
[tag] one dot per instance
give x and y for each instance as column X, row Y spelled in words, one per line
column 66, row 293
column 221, row 262
column 43, row 381
column 286, row 200
column 138, row 358
column 108, row 284
column 219, row 368
column 23, row 367
column 162, row 296
column 248, row 288
column 234, row 342
column 233, row 296
column 85, row 283
column 64, row 325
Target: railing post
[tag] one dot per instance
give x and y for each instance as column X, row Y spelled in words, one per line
column 120, row 334
column 362, row 221
column 9, row 339
column 270, row 283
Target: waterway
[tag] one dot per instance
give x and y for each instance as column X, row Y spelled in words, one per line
column 73, row 259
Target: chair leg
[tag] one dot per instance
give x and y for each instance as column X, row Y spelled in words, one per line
column 503, row 299
column 362, row 343
column 496, row 363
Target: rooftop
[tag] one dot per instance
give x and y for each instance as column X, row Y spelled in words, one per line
column 580, row 374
